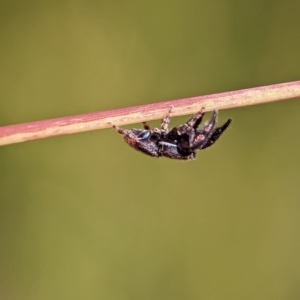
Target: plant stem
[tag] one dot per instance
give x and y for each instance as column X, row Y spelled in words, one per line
column 137, row 114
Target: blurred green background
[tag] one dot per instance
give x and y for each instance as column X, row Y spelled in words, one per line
column 85, row 217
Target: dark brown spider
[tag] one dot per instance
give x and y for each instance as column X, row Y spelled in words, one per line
column 180, row 142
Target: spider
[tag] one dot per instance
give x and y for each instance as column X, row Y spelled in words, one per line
column 180, row 142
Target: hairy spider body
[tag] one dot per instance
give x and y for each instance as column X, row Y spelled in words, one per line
column 180, row 142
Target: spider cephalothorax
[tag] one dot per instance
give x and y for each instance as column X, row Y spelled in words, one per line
column 180, row 142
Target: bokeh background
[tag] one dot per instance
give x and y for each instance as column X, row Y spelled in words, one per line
column 85, row 217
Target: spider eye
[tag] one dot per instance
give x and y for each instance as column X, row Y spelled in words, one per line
column 144, row 135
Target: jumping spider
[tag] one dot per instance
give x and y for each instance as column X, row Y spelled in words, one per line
column 180, row 142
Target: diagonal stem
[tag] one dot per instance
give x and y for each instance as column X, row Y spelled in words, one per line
column 137, row 114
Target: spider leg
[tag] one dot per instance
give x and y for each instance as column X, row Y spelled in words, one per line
column 120, row 130
column 216, row 134
column 185, row 134
column 195, row 120
column 166, row 120
column 205, row 133
column 146, row 126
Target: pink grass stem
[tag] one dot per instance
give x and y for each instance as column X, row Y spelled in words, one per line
column 137, row 114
